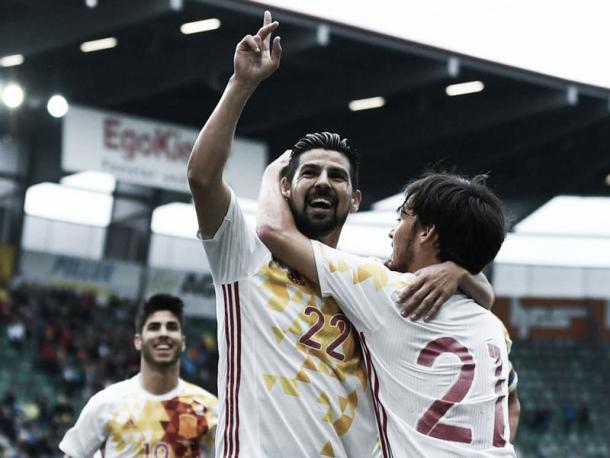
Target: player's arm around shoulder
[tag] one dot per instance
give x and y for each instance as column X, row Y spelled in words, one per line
column 256, row 58
column 435, row 284
column 275, row 224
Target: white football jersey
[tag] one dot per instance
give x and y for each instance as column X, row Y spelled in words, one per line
column 291, row 378
column 126, row 421
column 439, row 387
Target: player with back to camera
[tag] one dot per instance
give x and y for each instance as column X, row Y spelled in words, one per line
column 440, row 388
column 292, row 381
column 154, row 413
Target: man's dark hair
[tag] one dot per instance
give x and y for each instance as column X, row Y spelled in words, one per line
column 467, row 215
column 156, row 303
column 329, row 141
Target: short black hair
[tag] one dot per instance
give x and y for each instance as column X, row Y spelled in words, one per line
column 156, row 303
column 329, row 141
column 467, row 215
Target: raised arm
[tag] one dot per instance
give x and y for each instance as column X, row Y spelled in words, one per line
column 256, row 58
column 275, row 224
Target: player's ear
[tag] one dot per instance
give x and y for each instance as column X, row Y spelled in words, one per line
column 285, row 187
column 429, row 235
column 355, row 202
column 183, row 347
column 137, row 342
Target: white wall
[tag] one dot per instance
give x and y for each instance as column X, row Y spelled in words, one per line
column 551, row 281
column 58, row 237
column 167, row 252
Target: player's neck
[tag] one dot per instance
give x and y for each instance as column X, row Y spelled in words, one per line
column 331, row 239
column 423, row 260
column 159, row 380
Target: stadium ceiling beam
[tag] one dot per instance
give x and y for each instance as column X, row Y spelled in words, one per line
column 545, row 133
column 417, row 134
column 491, row 112
column 501, row 147
column 123, row 81
column 318, row 96
column 159, row 74
column 64, row 27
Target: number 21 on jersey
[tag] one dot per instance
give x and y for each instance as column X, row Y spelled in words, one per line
column 430, row 422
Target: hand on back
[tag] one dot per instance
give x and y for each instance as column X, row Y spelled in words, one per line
column 431, row 288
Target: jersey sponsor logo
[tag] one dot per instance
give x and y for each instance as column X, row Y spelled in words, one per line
column 129, row 425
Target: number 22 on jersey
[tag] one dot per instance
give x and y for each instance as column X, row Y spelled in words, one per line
column 338, row 321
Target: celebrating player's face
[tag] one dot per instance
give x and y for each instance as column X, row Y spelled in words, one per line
column 403, row 238
column 321, row 192
column 161, row 341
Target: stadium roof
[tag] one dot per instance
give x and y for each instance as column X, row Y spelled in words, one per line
column 538, row 136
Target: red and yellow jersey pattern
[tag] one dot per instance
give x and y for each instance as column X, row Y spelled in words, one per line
column 292, row 380
column 124, row 420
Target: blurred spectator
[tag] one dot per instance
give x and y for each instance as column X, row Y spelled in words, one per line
column 541, row 418
column 15, row 332
column 569, row 417
column 8, row 416
column 583, row 419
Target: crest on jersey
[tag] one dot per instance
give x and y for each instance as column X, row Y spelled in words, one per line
column 296, row 278
column 187, row 426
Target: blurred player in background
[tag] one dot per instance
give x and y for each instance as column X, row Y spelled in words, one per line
column 292, row 382
column 154, row 413
column 440, row 388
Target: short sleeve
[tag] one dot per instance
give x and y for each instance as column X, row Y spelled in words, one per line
column 235, row 251
column 88, row 433
column 361, row 286
column 513, row 378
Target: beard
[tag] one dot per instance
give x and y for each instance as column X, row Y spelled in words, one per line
column 148, row 353
column 315, row 228
column 402, row 262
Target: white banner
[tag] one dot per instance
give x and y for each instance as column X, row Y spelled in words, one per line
column 149, row 153
column 102, row 277
column 195, row 289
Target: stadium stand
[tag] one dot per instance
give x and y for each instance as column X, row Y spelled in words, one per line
column 564, row 397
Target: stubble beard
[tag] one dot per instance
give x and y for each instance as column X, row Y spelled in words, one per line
column 312, row 228
column 403, row 263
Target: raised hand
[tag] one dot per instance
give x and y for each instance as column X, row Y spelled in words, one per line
column 256, row 57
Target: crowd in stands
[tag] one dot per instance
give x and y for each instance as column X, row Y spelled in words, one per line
column 73, row 345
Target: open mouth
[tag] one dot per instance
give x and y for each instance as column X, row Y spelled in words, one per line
column 323, row 203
